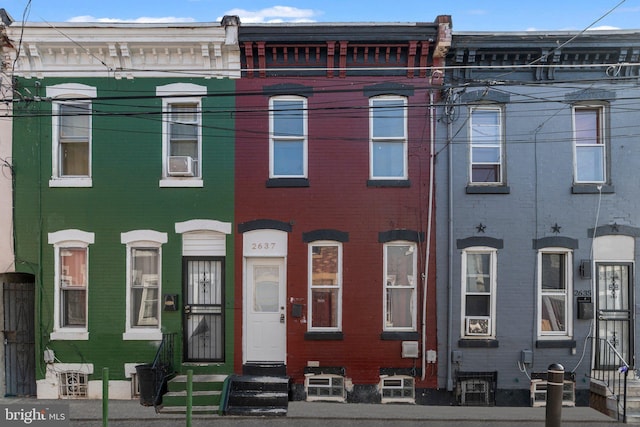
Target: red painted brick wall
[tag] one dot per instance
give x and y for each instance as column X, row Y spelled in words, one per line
column 337, row 198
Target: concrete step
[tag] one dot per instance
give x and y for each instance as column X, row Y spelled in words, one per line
column 198, row 398
column 209, row 409
column 206, row 394
column 258, row 395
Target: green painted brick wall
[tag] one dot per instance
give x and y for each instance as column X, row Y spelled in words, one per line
column 125, row 196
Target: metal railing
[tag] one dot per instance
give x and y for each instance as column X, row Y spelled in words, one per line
column 163, row 366
column 612, row 370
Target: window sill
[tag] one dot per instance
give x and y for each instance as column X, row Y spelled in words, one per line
column 69, row 335
column 382, row 183
column 181, row 182
column 488, row 189
column 478, row 343
column 287, row 182
column 559, row 343
column 151, row 335
column 324, row 336
column 592, row 189
column 71, row 182
column 399, row 336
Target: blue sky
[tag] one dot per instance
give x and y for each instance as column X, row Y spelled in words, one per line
column 467, row 15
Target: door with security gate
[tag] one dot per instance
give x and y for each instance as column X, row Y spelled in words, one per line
column 203, row 309
column 18, row 292
column 614, row 315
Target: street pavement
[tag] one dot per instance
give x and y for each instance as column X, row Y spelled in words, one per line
column 129, row 413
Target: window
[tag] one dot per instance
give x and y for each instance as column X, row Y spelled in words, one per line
column 72, row 134
column 71, row 281
column 478, row 292
column 589, row 142
column 486, row 145
column 288, row 137
column 388, row 130
column 144, row 267
column 325, row 287
column 182, row 134
column 400, row 266
column 554, row 284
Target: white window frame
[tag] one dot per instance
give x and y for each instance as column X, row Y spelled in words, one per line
column 601, row 143
column 467, row 327
column 498, row 144
column 174, row 94
column 337, row 286
column 69, row 93
column 75, row 239
column 388, row 284
column 398, row 139
column 303, row 139
column 142, row 239
column 567, row 293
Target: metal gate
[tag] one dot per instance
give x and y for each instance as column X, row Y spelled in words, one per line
column 19, row 334
column 203, row 309
column 614, row 322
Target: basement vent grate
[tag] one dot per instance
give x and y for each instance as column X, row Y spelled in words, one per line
column 73, row 385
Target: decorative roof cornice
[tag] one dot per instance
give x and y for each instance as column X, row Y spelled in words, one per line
column 125, row 50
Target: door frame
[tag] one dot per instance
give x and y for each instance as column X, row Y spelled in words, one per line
column 248, row 309
column 263, row 243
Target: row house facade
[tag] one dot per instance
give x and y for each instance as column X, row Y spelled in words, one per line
column 378, row 212
column 333, row 206
column 538, row 212
column 123, row 148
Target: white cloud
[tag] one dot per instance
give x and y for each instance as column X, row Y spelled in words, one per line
column 477, row 12
column 141, row 20
column 274, row 14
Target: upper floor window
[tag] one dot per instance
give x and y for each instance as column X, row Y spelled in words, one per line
column 554, row 292
column 479, row 292
column 181, row 134
column 487, row 159
column 589, row 144
column 325, row 286
column 144, row 284
column 400, row 281
column 288, row 137
column 71, row 282
column 72, row 134
column 388, row 130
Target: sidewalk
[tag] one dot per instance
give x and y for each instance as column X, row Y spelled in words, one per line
column 121, row 413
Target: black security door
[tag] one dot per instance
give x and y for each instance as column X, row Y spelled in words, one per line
column 614, row 320
column 19, row 334
column 203, row 310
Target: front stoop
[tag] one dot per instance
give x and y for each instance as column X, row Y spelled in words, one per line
column 604, row 401
column 206, row 394
column 257, row 395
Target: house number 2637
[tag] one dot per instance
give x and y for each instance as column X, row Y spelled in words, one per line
column 263, row 246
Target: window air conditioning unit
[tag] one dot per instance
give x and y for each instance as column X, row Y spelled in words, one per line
column 180, row 166
column 479, row 326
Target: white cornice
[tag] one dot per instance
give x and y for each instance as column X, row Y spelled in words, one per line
column 125, row 50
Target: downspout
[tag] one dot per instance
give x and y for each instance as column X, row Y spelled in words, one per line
column 428, row 239
column 451, row 254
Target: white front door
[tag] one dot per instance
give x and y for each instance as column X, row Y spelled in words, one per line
column 265, row 317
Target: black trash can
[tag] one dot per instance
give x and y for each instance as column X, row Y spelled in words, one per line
column 146, row 375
